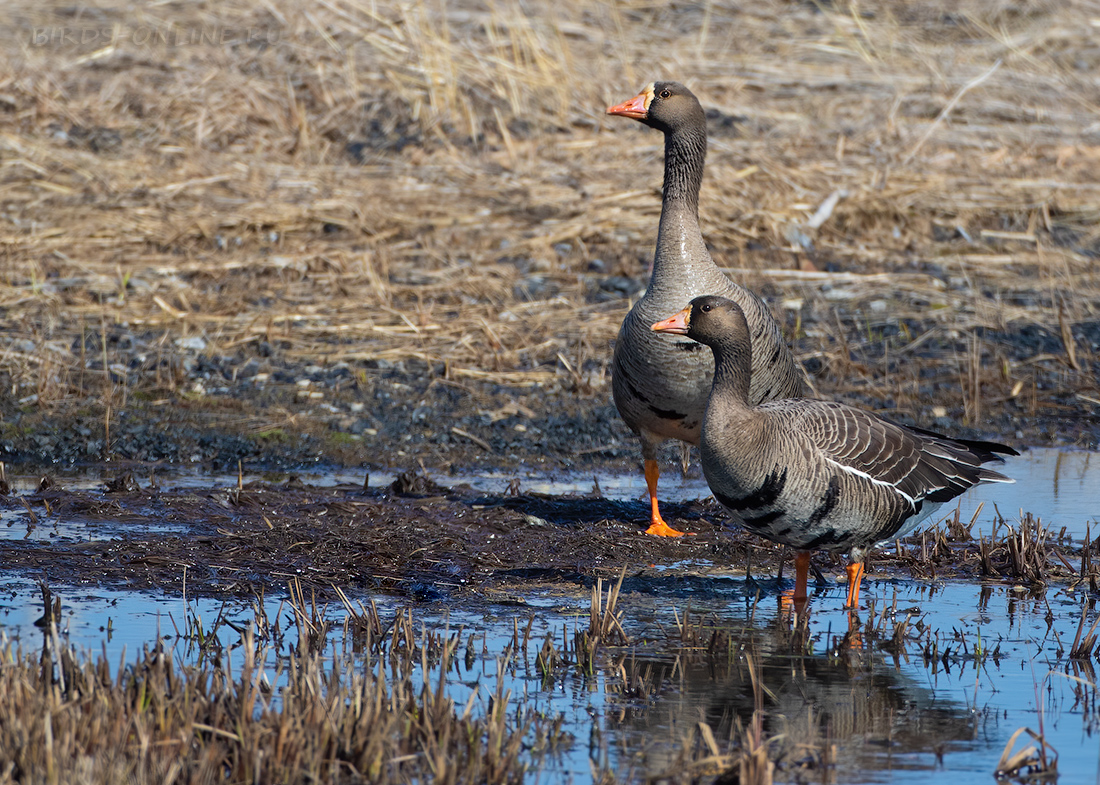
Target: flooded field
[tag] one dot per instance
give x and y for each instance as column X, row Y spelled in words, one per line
column 309, row 462
column 939, row 681
column 932, row 675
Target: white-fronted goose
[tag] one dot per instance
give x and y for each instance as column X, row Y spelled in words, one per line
column 660, row 385
column 817, row 474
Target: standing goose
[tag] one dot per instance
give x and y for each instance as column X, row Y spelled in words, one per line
column 661, row 386
column 817, row 474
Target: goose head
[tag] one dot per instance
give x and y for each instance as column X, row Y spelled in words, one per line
column 664, row 106
column 720, row 324
column 710, row 319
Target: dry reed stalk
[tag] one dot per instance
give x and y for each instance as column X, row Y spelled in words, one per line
column 604, row 618
column 317, row 174
column 1031, row 762
column 1084, row 642
column 81, row 721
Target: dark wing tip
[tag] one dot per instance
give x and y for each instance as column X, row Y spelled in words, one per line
column 988, row 451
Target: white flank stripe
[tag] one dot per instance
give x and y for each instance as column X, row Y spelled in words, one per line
column 866, row 476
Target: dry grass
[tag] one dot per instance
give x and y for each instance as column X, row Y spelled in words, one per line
column 313, row 716
column 358, row 182
column 1025, row 551
column 1034, row 763
column 276, row 701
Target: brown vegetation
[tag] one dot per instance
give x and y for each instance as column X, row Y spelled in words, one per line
column 434, row 185
column 309, row 716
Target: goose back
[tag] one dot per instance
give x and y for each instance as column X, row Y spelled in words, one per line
column 818, row 474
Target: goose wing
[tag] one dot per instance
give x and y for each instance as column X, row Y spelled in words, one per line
column 918, row 465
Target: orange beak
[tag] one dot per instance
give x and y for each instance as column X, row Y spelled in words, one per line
column 677, row 325
column 635, row 107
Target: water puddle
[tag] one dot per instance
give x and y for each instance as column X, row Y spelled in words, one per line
column 72, row 529
column 933, row 679
column 972, row 665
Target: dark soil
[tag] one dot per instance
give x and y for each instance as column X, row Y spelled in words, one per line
column 421, row 541
column 384, row 415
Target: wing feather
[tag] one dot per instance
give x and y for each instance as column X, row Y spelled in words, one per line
column 919, row 465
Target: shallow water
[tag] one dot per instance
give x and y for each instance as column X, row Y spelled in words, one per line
column 16, row 525
column 1062, row 487
column 1001, row 663
column 978, row 662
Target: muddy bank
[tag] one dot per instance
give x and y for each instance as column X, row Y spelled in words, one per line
column 419, row 540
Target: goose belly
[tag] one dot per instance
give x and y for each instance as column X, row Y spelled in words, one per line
column 660, row 383
column 818, row 508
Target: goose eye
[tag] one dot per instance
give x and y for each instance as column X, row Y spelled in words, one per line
column 705, row 308
column 666, row 94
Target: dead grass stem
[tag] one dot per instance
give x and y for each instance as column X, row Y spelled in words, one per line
column 436, row 181
column 70, row 717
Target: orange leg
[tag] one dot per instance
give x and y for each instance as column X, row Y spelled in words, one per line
column 799, row 599
column 657, row 524
column 855, row 577
column 801, row 574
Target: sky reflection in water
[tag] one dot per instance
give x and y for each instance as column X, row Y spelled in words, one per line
column 892, row 717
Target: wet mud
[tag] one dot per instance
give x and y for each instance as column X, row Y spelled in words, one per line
column 431, row 542
column 428, row 543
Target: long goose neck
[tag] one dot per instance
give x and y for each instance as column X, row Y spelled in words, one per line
column 732, row 371
column 685, row 154
column 682, row 256
column 729, row 414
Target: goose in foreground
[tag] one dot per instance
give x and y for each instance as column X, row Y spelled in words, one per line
column 660, row 385
column 817, row 474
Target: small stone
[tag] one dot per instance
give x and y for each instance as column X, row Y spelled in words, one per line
column 618, row 284
column 195, row 343
column 249, row 370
